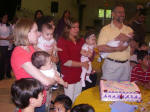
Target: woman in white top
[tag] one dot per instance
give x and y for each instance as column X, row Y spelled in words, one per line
column 5, row 37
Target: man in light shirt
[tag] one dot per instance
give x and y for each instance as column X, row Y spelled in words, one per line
column 116, row 65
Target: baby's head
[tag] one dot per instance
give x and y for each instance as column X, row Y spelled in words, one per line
column 143, row 46
column 47, row 31
column 83, row 108
column 90, row 38
column 41, row 60
column 27, row 92
column 62, row 103
column 143, row 58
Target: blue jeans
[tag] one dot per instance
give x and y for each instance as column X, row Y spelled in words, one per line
column 41, row 109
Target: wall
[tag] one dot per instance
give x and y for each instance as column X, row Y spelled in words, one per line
column 45, row 6
column 90, row 12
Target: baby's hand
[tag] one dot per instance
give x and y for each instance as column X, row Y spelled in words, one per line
column 130, row 35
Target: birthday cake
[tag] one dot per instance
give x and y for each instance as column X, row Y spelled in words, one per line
column 119, row 91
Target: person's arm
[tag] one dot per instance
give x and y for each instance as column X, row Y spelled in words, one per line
column 86, row 53
column 35, row 73
column 66, row 59
column 106, row 48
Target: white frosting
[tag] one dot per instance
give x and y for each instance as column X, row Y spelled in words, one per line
column 123, row 91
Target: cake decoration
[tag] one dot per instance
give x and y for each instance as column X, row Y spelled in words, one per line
column 119, row 91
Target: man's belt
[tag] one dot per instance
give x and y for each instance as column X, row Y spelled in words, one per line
column 117, row 60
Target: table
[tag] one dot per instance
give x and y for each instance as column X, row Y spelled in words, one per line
column 92, row 97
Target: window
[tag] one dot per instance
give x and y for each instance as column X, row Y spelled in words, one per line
column 108, row 13
column 101, row 13
column 104, row 13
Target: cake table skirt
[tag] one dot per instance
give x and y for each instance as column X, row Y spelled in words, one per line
column 92, row 97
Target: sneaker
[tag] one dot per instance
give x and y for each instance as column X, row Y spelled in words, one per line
column 88, row 79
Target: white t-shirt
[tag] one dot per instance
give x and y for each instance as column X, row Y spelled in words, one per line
column 5, row 31
column 49, row 73
column 46, row 45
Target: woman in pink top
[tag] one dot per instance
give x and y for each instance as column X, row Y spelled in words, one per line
column 26, row 35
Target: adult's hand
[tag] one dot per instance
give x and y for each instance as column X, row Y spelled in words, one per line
column 121, row 47
column 35, row 73
column 85, row 64
column 122, row 37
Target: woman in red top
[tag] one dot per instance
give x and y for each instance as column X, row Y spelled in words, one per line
column 26, row 35
column 71, row 44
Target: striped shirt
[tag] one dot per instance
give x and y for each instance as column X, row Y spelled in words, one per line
column 138, row 74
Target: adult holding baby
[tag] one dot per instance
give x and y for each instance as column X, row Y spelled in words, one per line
column 116, row 65
column 71, row 44
column 25, row 38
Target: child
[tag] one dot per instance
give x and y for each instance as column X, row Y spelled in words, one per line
column 141, row 72
column 88, row 47
column 82, row 108
column 143, row 46
column 62, row 103
column 46, row 42
column 41, row 60
column 27, row 94
column 116, row 42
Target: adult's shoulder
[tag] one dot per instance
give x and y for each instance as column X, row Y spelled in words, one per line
column 105, row 27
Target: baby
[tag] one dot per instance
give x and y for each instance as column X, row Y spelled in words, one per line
column 41, row 60
column 46, row 41
column 90, row 44
column 116, row 42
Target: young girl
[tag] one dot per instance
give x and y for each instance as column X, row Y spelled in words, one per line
column 90, row 39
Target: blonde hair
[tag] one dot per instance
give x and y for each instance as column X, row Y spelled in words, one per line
column 21, row 30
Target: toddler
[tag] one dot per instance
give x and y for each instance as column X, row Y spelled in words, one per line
column 27, row 94
column 88, row 47
column 41, row 60
column 62, row 103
